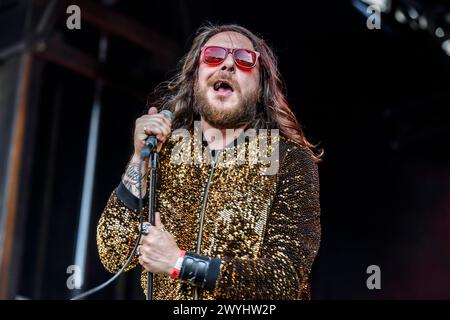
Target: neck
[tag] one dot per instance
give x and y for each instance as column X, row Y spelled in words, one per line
column 219, row 138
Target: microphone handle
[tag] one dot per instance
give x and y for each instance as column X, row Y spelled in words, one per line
column 151, row 142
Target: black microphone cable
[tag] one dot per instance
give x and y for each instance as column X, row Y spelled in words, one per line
column 133, row 252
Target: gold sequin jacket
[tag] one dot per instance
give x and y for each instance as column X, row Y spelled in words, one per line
column 264, row 228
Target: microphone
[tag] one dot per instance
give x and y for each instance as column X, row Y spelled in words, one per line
column 151, row 142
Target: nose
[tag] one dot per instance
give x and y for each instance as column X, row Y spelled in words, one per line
column 228, row 64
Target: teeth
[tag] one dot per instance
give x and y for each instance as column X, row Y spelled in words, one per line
column 218, row 84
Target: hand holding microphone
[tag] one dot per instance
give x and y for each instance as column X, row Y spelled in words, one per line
column 151, row 130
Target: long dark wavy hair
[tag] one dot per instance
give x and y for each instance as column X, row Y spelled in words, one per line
column 273, row 110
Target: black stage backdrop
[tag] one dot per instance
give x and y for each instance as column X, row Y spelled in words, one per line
column 376, row 100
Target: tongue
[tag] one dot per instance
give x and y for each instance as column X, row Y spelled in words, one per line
column 224, row 90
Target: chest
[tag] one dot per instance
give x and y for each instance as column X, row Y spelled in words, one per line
column 225, row 206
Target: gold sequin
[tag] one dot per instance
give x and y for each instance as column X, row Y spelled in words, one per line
column 265, row 228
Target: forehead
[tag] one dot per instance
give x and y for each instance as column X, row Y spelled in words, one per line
column 230, row 39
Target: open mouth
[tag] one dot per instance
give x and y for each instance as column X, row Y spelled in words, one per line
column 223, row 87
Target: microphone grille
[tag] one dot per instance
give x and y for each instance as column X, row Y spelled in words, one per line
column 168, row 114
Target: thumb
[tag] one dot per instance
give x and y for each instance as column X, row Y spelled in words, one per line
column 152, row 110
column 158, row 223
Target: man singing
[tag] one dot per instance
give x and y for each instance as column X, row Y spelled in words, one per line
column 228, row 225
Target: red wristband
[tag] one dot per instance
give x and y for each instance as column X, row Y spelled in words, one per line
column 175, row 274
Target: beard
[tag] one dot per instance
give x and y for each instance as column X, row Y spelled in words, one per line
column 239, row 115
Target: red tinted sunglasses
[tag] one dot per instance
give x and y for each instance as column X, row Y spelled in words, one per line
column 243, row 58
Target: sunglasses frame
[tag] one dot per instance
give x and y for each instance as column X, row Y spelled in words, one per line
column 230, row 50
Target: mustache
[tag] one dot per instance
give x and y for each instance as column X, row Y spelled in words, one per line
column 222, row 75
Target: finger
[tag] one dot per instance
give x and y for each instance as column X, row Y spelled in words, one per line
column 164, row 119
column 144, row 262
column 156, row 130
column 161, row 131
column 167, row 130
column 158, row 223
column 148, row 240
column 165, row 134
column 150, row 126
column 152, row 110
column 157, row 116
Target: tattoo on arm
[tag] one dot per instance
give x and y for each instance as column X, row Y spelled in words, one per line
column 131, row 179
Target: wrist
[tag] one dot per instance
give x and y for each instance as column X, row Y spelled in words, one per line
column 136, row 158
column 175, row 270
column 135, row 176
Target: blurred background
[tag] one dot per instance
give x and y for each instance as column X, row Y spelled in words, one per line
column 375, row 97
